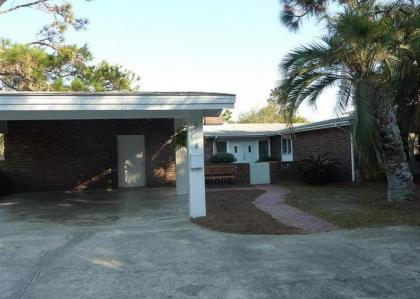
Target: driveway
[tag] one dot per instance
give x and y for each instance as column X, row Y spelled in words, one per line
column 140, row 244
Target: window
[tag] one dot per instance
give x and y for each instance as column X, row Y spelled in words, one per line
column 263, row 149
column 1, row 146
column 286, row 146
column 249, row 149
column 235, row 149
column 414, row 146
column 221, row 147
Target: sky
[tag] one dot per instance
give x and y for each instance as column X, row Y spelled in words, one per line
column 231, row 46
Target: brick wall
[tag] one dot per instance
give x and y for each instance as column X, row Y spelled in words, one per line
column 275, row 144
column 335, row 141
column 244, row 177
column 283, row 171
column 68, row 155
column 242, row 172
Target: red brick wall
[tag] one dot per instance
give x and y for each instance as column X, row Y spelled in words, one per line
column 275, row 144
column 242, row 171
column 68, row 155
column 283, row 171
column 335, row 141
column 244, row 176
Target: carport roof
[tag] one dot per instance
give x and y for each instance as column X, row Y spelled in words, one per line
column 98, row 105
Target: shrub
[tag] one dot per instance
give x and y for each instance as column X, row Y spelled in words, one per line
column 5, row 183
column 223, row 158
column 266, row 159
column 320, row 170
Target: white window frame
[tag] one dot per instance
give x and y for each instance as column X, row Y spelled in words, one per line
column 287, row 157
column 215, row 147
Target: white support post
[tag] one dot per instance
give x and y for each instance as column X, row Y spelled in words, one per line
column 181, row 158
column 197, row 188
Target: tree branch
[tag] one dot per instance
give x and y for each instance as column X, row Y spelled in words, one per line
column 29, row 4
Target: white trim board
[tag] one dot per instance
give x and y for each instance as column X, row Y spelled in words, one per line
column 48, row 106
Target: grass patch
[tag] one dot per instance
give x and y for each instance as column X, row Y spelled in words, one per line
column 352, row 205
column 232, row 211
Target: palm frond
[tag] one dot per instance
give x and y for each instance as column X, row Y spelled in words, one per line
column 364, row 122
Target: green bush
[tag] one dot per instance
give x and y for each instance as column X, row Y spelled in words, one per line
column 320, row 170
column 223, row 158
column 5, row 183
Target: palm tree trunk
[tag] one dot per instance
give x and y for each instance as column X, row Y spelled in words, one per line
column 400, row 180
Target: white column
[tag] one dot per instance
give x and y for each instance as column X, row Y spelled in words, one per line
column 197, row 188
column 181, row 158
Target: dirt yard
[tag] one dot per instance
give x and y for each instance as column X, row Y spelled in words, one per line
column 232, row 211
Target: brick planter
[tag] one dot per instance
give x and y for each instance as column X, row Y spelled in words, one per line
column 283, row 171
column 242, row 171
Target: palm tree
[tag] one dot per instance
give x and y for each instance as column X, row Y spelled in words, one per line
column 363, row 54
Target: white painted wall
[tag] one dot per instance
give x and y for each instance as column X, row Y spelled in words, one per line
column 259, row 173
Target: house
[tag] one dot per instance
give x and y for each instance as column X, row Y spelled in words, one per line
column 78, row 141
column 247, row 142
column 253, row 142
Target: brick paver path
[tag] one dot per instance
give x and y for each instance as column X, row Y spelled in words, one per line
column 272, row 202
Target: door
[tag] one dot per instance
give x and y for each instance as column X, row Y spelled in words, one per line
column 244, row 151
column 237, row 151
column 131, row 161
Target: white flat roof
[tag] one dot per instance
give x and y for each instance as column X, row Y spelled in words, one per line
column 266, row 130
column 97, row 105
column 243, row 130
column 319, row 125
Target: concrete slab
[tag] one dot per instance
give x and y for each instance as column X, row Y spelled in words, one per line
column 140, row 244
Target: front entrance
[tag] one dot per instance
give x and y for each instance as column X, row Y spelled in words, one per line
column 244, row 151
column 131, row 161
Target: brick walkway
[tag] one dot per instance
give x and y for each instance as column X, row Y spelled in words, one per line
column 272, row 202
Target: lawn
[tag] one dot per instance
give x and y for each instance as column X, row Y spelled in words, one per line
column 352, row 205
column 233, row 211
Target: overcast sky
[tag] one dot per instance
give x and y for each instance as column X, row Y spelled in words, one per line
column 230, row 46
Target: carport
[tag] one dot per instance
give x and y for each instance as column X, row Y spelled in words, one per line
column 182, row 108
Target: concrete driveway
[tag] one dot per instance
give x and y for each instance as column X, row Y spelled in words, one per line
column 140, row 244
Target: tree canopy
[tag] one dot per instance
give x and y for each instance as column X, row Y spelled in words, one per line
column 268, row 114
column 369, row 52
column 49, row 64
column 227, row 116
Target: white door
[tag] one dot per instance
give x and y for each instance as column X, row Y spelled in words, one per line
column 244, row 151
column 237, row 151
column 131, row 161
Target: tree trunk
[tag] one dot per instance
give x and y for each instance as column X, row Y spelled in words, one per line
column 400, row 180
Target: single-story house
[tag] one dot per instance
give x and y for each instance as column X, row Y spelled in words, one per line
column 77, row 141
column 252, row 142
